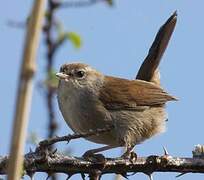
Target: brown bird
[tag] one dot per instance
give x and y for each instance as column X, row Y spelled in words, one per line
column 135, row 109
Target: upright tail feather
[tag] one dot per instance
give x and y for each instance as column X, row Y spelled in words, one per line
column 149, row 68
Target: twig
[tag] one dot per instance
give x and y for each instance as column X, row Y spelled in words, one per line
column 25, row 91
column 69, row 137
column 50, row 45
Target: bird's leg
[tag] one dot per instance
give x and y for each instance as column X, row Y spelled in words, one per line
column 92, row 153
column 129, row 153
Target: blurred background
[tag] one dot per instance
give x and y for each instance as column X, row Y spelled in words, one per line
column 114, row 39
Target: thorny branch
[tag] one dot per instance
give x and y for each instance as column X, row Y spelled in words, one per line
column 43, row 160
column 40, row 161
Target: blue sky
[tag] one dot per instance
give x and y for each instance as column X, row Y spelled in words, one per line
column 115, row 41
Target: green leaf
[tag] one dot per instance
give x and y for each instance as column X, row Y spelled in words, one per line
column 75, row 39
column 110, row 2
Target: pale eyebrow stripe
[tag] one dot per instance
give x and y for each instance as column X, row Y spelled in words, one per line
column 87, row 68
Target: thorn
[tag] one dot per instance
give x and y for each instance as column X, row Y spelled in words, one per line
column 181, row 174
column 31, row 177
column 124, row 175
column 69, row 176
column 53, row 152
column 48, row 176
column 30, row 150
column 165, row 151
column 30, row 174
column 132, row 174
column 83, row 176
column 149, row 175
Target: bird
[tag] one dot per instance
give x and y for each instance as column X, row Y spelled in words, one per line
column 134, row 109
column 90, row 100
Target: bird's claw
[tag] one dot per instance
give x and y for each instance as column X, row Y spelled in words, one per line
column 132, row 156
column 89, row 156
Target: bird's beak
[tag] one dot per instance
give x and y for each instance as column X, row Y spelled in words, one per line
column 62, row 76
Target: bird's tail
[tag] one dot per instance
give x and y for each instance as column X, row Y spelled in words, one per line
column 149, row 68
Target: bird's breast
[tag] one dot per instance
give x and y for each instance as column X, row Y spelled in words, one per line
column 82, row 110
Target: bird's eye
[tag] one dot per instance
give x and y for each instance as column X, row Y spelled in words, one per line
column 62, row 69
column 80, row 74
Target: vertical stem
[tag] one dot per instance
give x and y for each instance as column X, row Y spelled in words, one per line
column 50, row 43
column 24, row 93
column 50, row 59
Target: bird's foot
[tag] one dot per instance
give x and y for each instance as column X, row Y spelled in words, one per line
column 132, row 156
column 90, row 156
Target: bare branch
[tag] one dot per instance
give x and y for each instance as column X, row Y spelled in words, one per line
column 40, row 161
column 50, row 46
column 69, row 137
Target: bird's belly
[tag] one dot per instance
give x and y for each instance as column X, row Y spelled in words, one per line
column 133, row 127
column 84, row 115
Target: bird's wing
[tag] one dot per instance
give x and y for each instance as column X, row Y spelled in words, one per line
column 118, row 93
